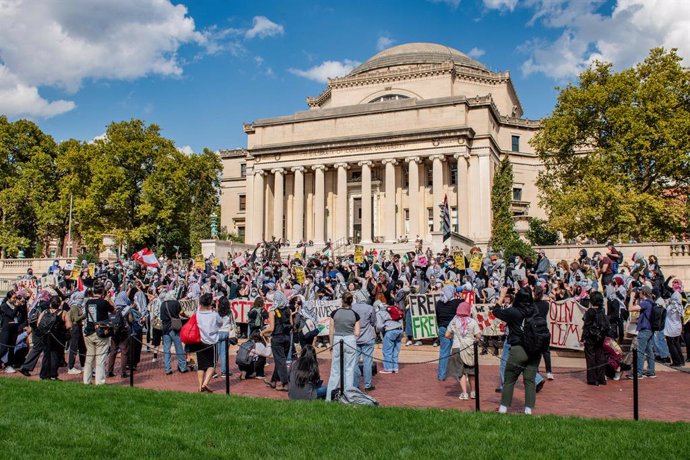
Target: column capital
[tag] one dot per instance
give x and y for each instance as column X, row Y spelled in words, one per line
column 318, row 167
column 278, row 170
column 390, row 160
column 437, row 157
column 341, row 165
column 259, row 172
column 365, row 163
column 297, row 169
column 413, row 159
column 465, row 155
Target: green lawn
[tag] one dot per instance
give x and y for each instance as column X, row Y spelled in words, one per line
column 60, row 420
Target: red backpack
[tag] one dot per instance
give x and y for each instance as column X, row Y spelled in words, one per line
column 395, row 313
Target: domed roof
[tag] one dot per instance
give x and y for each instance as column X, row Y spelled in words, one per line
column 417, row 53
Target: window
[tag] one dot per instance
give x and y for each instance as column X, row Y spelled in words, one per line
column 454, row 219
column 243, row 170
column 243, row 202
column 356, row 176
column 389, row 97
column 454, row 174
column 516, row 143
column 517, row 194
column 406, row 213
column 430, row 218
column 240, row 233
column 429, row 176
column 405, row 177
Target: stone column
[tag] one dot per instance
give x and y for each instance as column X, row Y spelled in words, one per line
column 461, row 194
column 298, row 205
column 278, row 185
column 249, row 203
column 413, row 194
column 341, row 223
column 319, row 204
column 437, row 186
column 389, row 206
column 257, row 214
column 366, row 201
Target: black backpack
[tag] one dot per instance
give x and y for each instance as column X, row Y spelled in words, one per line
column 119, row 324
column 47, row 324
column 535, row 333
column 598, row 332
column 244, row 356
column 658, row 318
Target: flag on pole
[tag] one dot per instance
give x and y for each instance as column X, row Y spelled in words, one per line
column 146, row 257
column 445, row 218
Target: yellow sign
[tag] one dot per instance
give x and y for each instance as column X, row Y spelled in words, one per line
column 298, row 255
column 199, row 262
column 215, row 262
column 76, row 271
column 359, row 254
column 459, row 260
column 92, row 270
column 476, row 262
column 299, row 275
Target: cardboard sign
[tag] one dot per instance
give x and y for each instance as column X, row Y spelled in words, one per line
column 459, row 258
column 199, row 263
column 299, row 274
column 298, row 255
column 189, row 306
column 359, row 254
column 565, row 324
column 423, row 310
column 215, row 262
column 76, row 271
column 468, row 296
column 488, row 323
column 476, row 262
column 92, row 270
column 239, row 261
column 323, row 309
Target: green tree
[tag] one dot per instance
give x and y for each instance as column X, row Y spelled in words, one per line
column 616, row 151
column 204, row 172
column 502, row 227
column 540, row 234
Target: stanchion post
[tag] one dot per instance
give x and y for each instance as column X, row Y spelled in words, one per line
column 636, row 407
column 477, row 405
column 131, row 359
column 342, row 366
column 227, row 366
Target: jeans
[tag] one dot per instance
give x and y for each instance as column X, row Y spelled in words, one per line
column 366, row 350
column 391, row 349
column 504, row 359
column 444, row 353
column 645, row 346
column 169, row 338
column 349, row 353
column 660, row 345
column 520, row 363
column 222, row 350
column 408, row 324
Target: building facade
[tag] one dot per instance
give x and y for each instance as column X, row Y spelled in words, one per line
column 379, row 150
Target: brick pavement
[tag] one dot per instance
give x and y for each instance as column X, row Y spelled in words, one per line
column 416, row 386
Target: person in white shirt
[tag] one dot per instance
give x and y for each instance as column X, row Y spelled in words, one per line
column 209, row 322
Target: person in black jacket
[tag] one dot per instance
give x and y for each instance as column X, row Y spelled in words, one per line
column 594, row 331
column 519, row 362
column 543, row 306
column 13, row 319
column 445, row 312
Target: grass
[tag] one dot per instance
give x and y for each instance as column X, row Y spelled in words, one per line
column 65, row 420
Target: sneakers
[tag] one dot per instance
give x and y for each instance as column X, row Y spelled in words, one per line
column 473, row 395
column 368, row 389
column 632, row 376
column 418, row 343
column 385, row 371
column 436, row 343
column 650, row 375
column 464, row 397
column 549, row 376
column 617, row 376
column 74, row 371
column 154, row 360
column 24, row 372
column 408, row 343
column 10, row 370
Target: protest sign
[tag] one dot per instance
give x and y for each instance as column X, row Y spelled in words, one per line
column 49, row 280
column 565, row 324
column 189, row 306
column 323, row 310
column 215, row 262
column 299, row 274
column 76, row 271
column 239, row 261
column 468, row 296
column 298, row 255
column 488, row 323
column 423, row 311
column 199, row 262
column 476, row 262
column 459, row 258
column 359, row 254
column 92, row 270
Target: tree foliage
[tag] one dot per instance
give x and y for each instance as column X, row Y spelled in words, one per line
column 616, row 151
column 133, row 183
column 540, row 234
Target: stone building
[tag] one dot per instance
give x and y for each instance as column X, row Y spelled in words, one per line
column 379, row 149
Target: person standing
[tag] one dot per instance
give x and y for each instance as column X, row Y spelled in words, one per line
column 392, row 338
column 674, row 323
column 594, row 332
column 120, row 340
column 642, row 302
column 365, row 340
column 96, row 336
column 543, row 306
column 344, row 327
column 77, row 346
column 53, row 339
column 463, row 330
column 446, row 308
column 10, row 318
column 209, row 323
column 279, row 327
column 170, row 314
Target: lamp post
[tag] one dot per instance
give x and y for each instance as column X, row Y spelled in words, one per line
column 214, row 225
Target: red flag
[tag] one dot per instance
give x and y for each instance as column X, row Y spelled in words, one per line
column 146, row 257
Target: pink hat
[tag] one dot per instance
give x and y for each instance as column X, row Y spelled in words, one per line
column 463, row 309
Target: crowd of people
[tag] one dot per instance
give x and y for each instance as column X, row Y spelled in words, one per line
column 90, row 317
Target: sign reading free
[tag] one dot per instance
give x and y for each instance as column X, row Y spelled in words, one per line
column 423, row 310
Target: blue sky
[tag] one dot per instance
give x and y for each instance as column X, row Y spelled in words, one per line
column 200, row 68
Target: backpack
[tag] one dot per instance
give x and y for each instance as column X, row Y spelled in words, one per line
column 598, row 332
column 535, row 334
column 34, row 313
column 658, row 318
column 47, row 324
column 395, row 312
column 258, row 319
column 119, row 324
column 282, row 320
column 244, row 356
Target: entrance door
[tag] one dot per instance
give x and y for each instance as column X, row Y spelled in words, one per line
column 356, row 220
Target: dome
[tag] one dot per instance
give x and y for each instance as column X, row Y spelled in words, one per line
column 417, row 53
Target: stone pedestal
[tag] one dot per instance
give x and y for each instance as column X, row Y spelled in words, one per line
column 109, row 245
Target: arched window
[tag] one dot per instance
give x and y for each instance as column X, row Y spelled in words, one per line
column 389, row 97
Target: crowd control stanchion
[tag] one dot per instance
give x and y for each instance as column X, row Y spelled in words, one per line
column 131, row 360
column 342, row 367
column 477, row 405
column 226, row 344
column 636, row 407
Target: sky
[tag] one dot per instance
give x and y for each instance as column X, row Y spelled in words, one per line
column 201, row 68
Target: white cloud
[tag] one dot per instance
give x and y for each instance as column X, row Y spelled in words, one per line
column 384, row 42
column 500, row 4
column 186, row 149
column 59, row 44
column 623, row 37
column 476, row 52
column 452, row 3
column 264, row 27
column 216, row 41
column 326, row 70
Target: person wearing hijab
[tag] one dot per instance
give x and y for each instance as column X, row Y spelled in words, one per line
column 674, row 323
column 463, row 330
column 519, row 362
column 445, row 312
column 77, row 346
column 279, row 327
column 122, row 307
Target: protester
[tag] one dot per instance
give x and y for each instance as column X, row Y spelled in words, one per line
column 595, row 330
column 674, row 324
column 365, row 340
column 97, row 334
column 77, row 346
column 53, row 323
column 12, row 320
column 392, row 331
column 279, row 329
column 209, row 323
column 642, row 302
column 344, row 328
column 171, row 322
column 446, row 309
column 251, row 357
column 305, row 379
column 464, row 331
